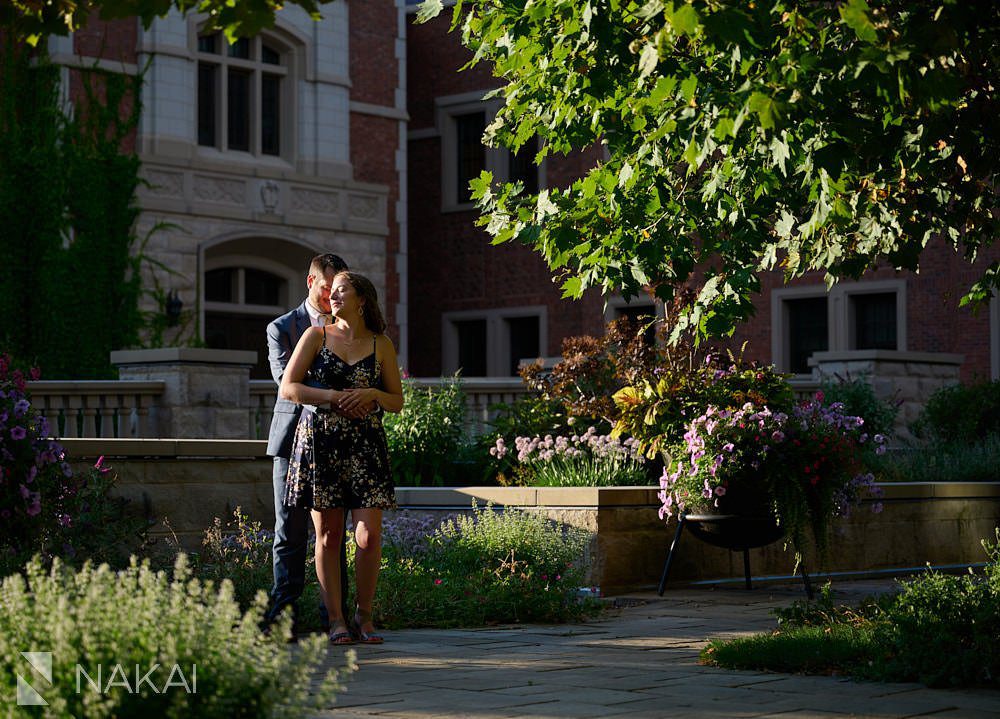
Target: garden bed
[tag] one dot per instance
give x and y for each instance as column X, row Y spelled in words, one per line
column 191, row 482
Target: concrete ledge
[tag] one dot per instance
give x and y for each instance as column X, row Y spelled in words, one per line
column 887, row 356
column 165, row 448
column 183, row 355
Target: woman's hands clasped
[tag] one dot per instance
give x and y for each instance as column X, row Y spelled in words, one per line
column 354, row 403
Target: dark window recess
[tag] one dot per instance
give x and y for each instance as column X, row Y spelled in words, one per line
column 471, row 155
column 209, row 44
column 220, row 285
column 523, row 333
column 640, row 316
column 269, row 55
column 237, row 331
column 874, row 321
column 471, row 347
column 270, row 114
column 238, row 94
column 808, row 331
column 522, row 167
column 261, row 288
column 240, row 49
column 207, row 88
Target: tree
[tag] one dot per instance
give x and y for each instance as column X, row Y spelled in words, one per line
column 743, row 137
column 31, row 20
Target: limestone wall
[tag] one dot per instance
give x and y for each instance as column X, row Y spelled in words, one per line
column 191, row 482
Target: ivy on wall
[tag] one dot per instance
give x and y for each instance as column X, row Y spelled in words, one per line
column 69, row 279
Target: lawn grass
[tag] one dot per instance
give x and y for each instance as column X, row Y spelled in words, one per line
column 830, row 649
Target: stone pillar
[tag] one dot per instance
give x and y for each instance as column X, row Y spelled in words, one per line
column 909, row 378
column 207, row 392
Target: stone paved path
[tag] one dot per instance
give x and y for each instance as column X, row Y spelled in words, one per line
column 636, row 662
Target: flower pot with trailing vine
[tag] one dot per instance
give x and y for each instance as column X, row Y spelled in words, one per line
column 800, row 468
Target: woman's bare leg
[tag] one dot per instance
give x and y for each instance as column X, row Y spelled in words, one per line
column 329, row 524
column 368, row 536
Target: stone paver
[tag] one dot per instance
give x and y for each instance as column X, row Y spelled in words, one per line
column 636, row 662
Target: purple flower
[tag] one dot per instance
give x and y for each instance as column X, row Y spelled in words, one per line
column 18, row 433
column 65, row 520
column 20, row 407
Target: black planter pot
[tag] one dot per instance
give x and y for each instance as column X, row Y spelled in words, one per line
column 735, row 532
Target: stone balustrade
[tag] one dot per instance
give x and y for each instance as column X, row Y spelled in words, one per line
column 99, row 408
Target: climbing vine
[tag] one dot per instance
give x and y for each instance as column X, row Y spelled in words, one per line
column 69, row 276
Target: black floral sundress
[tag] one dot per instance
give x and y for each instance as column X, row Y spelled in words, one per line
column 339, row 462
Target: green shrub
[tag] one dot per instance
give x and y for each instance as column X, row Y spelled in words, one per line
column 976, row 461
column 486, row 568
column 961, row 414
column 859, row 400
column 46, row 508
column 138, row 617
column 239, row 551
column 428, row 436
column 941, row 630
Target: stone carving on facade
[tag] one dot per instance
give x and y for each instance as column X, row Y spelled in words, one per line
column 315, row 201
column 165, row 184
column 217, row 189
column 270, row 193
column 363, row 207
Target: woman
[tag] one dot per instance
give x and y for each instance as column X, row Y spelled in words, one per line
column 339, row 459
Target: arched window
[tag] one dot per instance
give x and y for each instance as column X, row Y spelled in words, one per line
column 244, row 94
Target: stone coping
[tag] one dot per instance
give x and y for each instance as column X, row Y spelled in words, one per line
column 183, row 355
column 167, row 449
column 886, row 355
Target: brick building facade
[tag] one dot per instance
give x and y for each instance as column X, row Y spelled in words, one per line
column 357, row 135
column 457, row 276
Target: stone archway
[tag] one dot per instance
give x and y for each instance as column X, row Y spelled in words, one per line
column 244, row 283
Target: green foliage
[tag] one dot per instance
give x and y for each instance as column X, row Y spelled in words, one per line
column 657, row 411
column 98, row 617
column 45, row 507
column 961, row 413
column 31, row 21
column 976, row 461
column 482, row 569
column 859, row 400
column 939, row 629
column 486, row 568
column 742, row 138
column 427, row 442
column 587, row 459
column 239, row 551
column 67, row 210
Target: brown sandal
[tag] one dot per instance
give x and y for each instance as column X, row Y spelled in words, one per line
column 344, row 636
column 363, row 617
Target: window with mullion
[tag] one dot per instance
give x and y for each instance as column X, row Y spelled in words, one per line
column 240, row 95
column 471, row 153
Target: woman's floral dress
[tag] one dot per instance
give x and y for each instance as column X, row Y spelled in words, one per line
column 339, row 462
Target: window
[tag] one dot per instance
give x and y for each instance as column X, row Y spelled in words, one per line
column 461, row 122
column 471, row 153
column 808, row 331
column 242, row 90
column 852, row 316
column 874, row 321
column 239, row 303
column 492, row 343
column 471, row 347
column 523, row 341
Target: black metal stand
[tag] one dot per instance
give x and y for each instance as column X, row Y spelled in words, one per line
column 682, row 520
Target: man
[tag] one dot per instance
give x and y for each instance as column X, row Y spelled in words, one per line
column 291, row 526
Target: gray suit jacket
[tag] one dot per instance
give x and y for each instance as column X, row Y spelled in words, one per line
column 282, row 336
